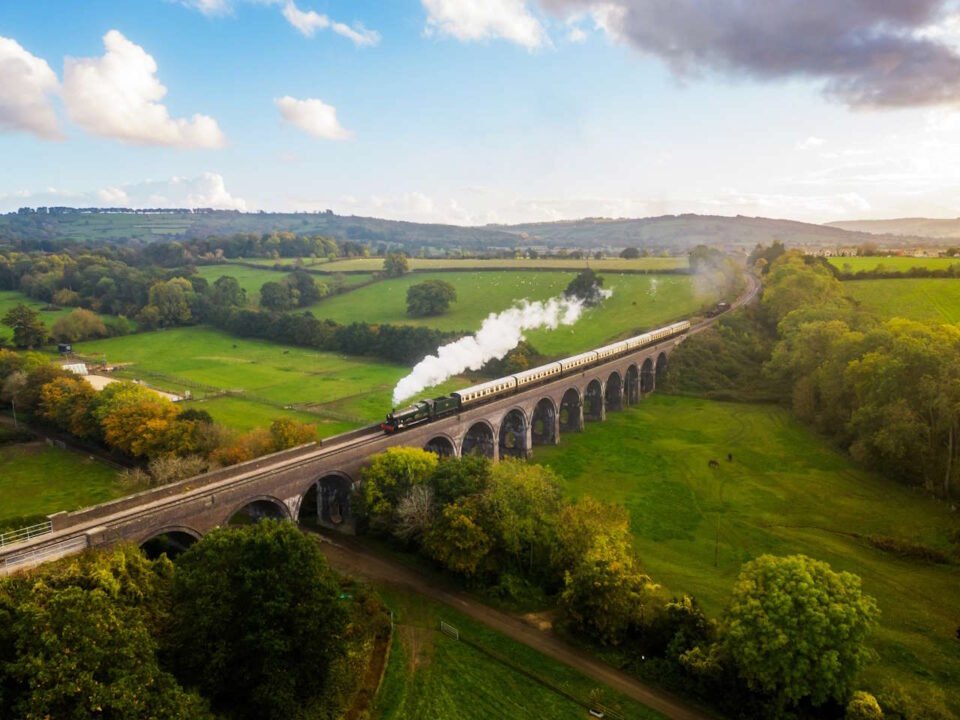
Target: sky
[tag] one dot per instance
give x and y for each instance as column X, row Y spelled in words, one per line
column 484, row 111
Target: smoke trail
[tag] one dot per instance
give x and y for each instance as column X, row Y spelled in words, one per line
column 497, row 336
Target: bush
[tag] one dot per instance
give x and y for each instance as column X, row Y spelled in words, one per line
column 15, row 435
column 863, row 706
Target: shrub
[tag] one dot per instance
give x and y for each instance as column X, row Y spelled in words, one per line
column 908, row 549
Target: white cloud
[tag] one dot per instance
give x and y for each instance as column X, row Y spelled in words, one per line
column 810, row 143
column 207, row 190
column 113, row 197
column 308, row 22
column 26, row 82
column 118, row 96
column 471, row 20
column 313, row 116
column 209, row 7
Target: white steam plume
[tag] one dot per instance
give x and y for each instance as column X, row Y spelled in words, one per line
column 498, row 335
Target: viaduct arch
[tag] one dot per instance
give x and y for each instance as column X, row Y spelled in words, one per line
column 314, row 484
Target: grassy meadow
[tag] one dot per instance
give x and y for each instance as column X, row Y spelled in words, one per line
column 784, row 492
column 264, row 380
column 36, row 479
column 927, row 299
column 431, row 675
column 11, row 298
column 892, row 264
column 638, row 302
column 252, row 279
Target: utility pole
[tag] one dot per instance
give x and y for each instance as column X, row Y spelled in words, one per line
column 13, row 401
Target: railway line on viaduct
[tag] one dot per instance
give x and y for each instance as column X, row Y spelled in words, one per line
column 316, row 480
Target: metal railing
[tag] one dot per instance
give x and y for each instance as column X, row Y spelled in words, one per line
column 62, row 548
column 16, row 536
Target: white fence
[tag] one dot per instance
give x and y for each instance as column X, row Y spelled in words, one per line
column 59, row 549
column 16, row 536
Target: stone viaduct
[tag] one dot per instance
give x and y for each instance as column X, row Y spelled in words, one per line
column 314, row 482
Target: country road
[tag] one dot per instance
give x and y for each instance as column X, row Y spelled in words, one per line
column 348, row 556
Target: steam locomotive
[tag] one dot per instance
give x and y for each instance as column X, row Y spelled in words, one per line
column 426, row 411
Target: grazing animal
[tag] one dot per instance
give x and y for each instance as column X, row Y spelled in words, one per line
column 729, row 457
column 713, row 464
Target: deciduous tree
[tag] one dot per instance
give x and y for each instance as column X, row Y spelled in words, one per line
column 796, row 630
column 258, row 621
column 28, row 329
column 432, row 297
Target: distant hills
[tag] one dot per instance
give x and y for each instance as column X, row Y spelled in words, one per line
column 934, row 228
column 671, row 233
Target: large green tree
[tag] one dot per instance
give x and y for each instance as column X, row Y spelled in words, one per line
column 28, row 329
column 796, row 630
column 226, row 292
column 432, row 297
column 77, row 642
column 258, row 621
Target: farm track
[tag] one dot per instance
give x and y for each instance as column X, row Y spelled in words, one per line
column 351, row 558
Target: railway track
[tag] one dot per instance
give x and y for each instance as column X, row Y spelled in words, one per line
column 73, row 537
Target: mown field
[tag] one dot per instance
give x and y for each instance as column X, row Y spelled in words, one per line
column 431, row 675
column 784, row 492
column 252, row 279
column 605, row 264
column 927, row 299
column 892, row 264
column 638, row 302
column 36, row 479
column 265, row 380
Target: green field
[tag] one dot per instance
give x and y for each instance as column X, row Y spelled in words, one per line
column 36, row 479
column 606, row 264
column 927, row 299
column 892, row 264
column 11, row 298
column 638, row 302
column 784, row 492
column 433, row 676
column 264, row 380
column 252, row 279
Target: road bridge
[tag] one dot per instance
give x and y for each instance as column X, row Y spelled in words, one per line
column 317, row 480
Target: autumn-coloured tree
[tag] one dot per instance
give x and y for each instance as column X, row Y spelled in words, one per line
column 287, row 433
column 68, row 403
column 79, row 325
column 389, row 476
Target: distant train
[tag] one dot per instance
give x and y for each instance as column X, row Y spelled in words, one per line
column 428, row 410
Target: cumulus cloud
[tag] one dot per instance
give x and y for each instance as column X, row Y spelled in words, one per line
column 26, row 83
column 118, row 96
column 471, row 20
column 867, row 53
column 313, row 116
column 113, row 197
column 308, row 22
column 207, row 190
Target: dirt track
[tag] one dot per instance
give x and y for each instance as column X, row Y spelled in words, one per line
column 349, row 557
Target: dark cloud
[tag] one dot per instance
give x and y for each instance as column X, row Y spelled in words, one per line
column 869, row 53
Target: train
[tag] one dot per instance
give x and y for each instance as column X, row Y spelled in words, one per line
column 426, row 411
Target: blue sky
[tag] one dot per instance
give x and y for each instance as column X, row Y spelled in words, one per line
column 476, row 111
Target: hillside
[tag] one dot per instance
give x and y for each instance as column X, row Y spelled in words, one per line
column 685, row 231
column 935, row 228
column 669, row 232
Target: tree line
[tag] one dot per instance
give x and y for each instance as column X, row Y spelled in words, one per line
column 790, row 643
column 134, row 421
column 885, row 390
